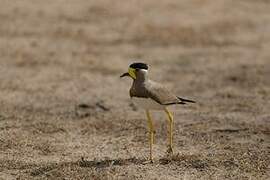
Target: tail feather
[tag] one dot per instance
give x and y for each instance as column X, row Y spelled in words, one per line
column 186, row 100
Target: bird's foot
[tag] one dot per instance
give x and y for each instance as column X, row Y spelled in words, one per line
column 149, row 161
column 170, row 150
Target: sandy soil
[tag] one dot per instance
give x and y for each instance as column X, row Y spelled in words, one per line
column 65, row 114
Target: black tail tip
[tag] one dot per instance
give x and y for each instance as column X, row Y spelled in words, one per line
column 186, row 100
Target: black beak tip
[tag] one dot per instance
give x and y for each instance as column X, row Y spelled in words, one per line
column 124, row 75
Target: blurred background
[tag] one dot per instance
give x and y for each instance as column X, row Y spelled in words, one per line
column 61, row 97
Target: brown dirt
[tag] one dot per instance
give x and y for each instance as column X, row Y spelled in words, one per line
column 65, row 114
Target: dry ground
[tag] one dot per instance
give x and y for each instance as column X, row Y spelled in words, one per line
column 58, row 54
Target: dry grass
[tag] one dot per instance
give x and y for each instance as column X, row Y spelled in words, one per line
column 66, row 115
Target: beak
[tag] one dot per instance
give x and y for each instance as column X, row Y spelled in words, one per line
column 124, row 75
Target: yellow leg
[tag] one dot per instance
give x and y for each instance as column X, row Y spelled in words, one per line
column 170, row 131
column 151, row 133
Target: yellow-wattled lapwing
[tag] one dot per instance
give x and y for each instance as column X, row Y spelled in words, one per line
column 151, row 95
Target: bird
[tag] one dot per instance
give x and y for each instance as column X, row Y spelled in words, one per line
column 151, row 95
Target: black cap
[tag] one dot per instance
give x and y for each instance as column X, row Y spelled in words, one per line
column 139, row 66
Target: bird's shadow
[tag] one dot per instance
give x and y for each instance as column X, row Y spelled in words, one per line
column 110, row 162
column 190, row 161
column 46, row 168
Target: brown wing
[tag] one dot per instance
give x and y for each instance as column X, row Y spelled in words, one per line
column 161, row 94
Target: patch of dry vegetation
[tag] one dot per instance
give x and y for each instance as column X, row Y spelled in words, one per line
column 66, row 115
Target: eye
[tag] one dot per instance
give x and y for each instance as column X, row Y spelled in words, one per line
column 137, row 69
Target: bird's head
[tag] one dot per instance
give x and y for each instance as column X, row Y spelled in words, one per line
column 134, row 70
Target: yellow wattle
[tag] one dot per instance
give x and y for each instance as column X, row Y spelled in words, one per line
column 132, row 73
